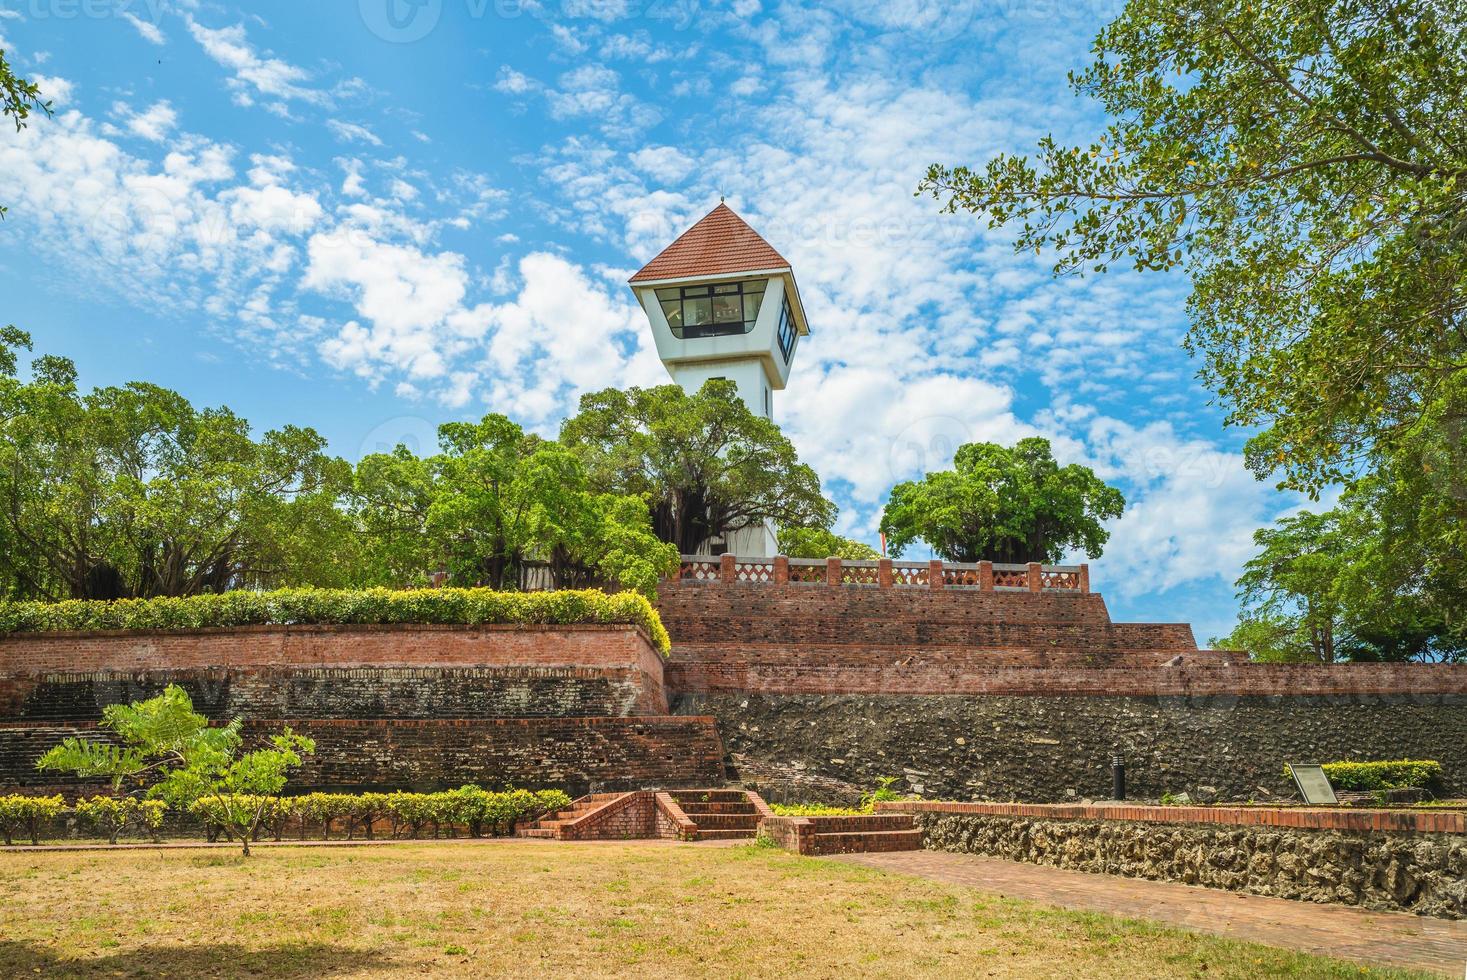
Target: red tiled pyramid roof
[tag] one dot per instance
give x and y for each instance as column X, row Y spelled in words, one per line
column 720, row 243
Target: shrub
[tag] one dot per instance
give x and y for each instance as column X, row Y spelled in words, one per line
column 815, row 810
column 1402, row 774
column 114, row 814
column 469, row 607
column 28, row 814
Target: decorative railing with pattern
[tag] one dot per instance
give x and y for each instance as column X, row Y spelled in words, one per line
column 982, row 576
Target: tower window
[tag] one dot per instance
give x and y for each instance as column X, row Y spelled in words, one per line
column 712, row 311
column 787, row 333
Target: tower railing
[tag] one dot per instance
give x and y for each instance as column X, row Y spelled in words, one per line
column 885, row 573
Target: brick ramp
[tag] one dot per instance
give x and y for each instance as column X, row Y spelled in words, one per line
column 1394, row 939
column 844, row 834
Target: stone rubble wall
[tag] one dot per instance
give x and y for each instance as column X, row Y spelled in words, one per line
column 1421, row 873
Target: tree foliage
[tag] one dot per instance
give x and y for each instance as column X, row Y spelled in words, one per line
column 1306, row 164
column 132, row 492
column 18, row 97
column 817, row 542
column 1353, row 583
column 1005, row 505
column 165, row 746
column 493, row 501
column 704, row 463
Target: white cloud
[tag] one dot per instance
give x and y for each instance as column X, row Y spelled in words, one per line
column 57, row 91
column 154, row 123
column 512, row 82
column 255, row 73
column 665, row 164
column 349, row 132
column 149, row 30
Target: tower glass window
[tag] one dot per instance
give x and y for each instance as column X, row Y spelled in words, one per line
column 719, row 310
column 787, row 332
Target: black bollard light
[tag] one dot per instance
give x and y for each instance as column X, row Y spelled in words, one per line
column 1117, row 778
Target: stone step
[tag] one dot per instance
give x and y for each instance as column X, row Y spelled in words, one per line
column 706, row 808
column 865, row 842
column 725, row 834
column 726, row 821
column 686, row 796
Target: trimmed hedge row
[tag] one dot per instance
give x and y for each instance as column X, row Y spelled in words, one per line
column 288, row 607
column 475, row 810
column 1401, row 774
column 110, row 815
column 472, row 809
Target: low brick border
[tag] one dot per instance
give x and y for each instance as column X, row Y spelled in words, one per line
column 1298, row 818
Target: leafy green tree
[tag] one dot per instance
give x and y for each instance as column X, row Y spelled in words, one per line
column 1353, row 583
column 132, row 492
column 704, row 463
column 167, row 746
column 1305, row 162
column 817, row 542
column 17, row 98
column 1003, row 505
column 493, row 501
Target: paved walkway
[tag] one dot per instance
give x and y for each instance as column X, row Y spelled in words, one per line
column 1379, row 938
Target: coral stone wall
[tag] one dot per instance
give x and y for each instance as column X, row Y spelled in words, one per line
column 799, row 747
column 1283, row 853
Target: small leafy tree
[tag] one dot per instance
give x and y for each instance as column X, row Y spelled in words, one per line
column 28, row 814
column 817, row 542
column 165, row 742
column 1004, row 505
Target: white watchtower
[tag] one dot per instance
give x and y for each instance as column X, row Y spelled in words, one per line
column 723, row 304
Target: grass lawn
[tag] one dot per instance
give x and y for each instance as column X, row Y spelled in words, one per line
column 547, row 909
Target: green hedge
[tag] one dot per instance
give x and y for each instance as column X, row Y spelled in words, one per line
column 473, row 809
column 1402, row 774
column 469, row 607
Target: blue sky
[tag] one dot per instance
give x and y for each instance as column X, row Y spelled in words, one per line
column 371, row 216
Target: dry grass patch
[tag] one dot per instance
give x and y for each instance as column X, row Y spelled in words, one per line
column 530, row 908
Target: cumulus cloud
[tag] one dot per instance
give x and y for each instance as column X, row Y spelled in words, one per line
column 255, row 74
column 349, row 132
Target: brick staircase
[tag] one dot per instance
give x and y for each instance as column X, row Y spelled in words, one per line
column 721, row 814
column 551, row 826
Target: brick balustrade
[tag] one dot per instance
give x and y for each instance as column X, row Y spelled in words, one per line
column 1296, row 818
column 884, row 573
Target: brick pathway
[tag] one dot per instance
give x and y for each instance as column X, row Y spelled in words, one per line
column 1379, row 938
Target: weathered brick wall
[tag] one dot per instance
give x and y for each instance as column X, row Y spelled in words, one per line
column 339, row 671
column 350, row 692
column 798, row 747
column 579, row 755
column 891, row 672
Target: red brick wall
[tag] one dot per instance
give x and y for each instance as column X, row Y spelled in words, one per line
column 802, row 614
